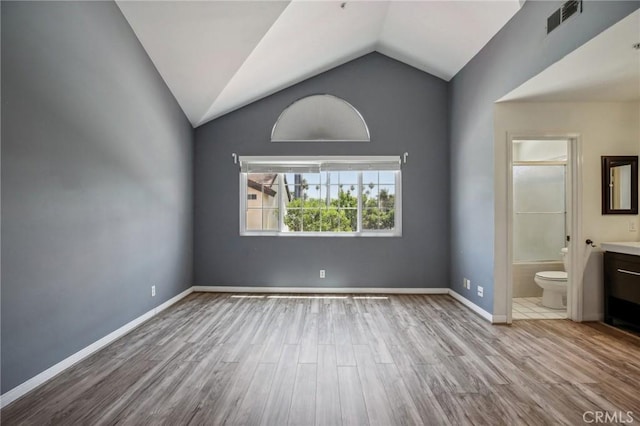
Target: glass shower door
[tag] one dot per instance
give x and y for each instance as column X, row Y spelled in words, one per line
column 539, row 212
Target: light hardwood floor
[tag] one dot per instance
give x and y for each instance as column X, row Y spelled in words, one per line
column 215, row 359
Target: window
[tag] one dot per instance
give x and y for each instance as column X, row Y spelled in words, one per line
column 330, row 196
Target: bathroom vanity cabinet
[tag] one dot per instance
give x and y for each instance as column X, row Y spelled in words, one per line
column 621, row 288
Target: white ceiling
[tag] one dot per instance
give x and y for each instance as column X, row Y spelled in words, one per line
column 606, row 68
column 217, row 56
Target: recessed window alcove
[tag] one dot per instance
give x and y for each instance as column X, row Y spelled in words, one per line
column 320, row 118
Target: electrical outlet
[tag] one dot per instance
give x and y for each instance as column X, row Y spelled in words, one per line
column 480, row 291
column 632, row 226
column 466, row 283
column 322, row 273
column 153, row 291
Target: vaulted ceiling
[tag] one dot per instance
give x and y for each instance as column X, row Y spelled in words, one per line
column 217, row 56
column 604, row 69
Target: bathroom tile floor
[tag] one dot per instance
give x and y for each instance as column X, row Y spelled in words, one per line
column 531, row 308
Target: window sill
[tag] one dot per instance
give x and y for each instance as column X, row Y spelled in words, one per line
column 319, row 234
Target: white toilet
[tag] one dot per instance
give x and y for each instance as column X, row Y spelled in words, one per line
column 554, row 284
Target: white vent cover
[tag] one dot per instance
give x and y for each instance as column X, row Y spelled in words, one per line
column 320, row 118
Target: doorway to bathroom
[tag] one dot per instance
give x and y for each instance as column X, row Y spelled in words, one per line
column 540, row 227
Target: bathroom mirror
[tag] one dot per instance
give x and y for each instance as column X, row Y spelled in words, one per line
column 620, row 184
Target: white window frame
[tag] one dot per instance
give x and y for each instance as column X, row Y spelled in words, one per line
column 358, row 164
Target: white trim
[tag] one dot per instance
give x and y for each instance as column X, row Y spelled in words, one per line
column 319, row 140
column 359, row 232
column 499, row 319
column 320, row 290
column 25, row 387
column 477, row 309
column 508, row 272
column 494, row 319
column 576, row 245
column 347, row 160
column 366, row 234
column 68, row 362
column 398, row 205
column 242, row 190
column 356, row 290
column 504, row 271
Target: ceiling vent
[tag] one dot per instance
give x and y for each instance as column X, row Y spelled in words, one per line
column 567, row 10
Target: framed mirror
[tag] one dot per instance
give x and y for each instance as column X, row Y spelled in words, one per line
column 620, row 184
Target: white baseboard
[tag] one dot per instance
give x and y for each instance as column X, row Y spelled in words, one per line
column 22, row 389
column 494, row 319
column 58, row 368
column 498, row 319
column 320, row 290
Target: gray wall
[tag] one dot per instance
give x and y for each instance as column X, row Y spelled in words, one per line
column 518, row 52
column 406, row 110
column 96, row 182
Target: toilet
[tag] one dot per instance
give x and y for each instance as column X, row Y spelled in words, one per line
column 554, row 284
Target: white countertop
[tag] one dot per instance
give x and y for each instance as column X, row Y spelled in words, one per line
column 626, row 247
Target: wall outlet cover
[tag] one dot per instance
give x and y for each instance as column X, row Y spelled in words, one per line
column 480, row 291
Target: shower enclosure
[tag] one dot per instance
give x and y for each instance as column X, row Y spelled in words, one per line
column 539, row 211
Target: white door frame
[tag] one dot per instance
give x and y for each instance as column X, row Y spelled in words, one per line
column 574, row 219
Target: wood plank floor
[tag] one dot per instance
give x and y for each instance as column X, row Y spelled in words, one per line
column 216, row 359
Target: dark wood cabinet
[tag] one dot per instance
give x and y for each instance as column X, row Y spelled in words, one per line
column 621, row 289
